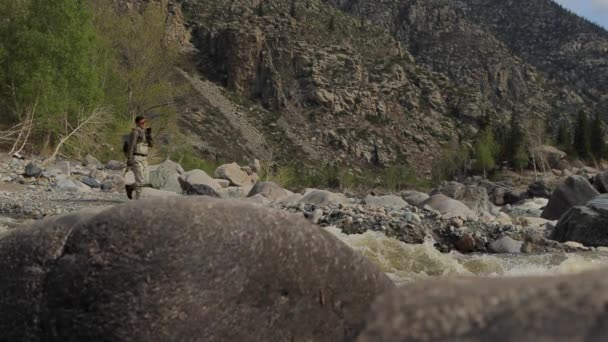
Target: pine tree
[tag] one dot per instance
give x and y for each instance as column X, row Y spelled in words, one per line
column 582, row 137
column 564, row 138
column 260, row 9
column 521, row 158
column 332, row 23
column 598, row 145
column 292, row 10
column 515, row 142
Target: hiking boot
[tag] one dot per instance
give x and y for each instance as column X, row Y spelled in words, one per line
column 129, row 189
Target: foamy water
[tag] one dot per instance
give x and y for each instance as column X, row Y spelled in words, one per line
column 406, row 263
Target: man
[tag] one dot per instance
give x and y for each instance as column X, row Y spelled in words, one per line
column 137, row 156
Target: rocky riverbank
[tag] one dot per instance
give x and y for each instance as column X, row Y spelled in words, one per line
column 464, row 217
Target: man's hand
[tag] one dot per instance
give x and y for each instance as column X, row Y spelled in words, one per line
column 130, row 162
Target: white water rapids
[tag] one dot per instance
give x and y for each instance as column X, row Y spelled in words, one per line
column 406, row 263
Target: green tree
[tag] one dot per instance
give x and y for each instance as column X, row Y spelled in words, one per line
column 598, row 145
column 521, row 158
column 582, row 137
column 514, row 142
column 486, row 150
column 332, row 23
column 49, row 62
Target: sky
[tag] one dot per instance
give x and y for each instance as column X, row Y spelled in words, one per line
column 594, row 10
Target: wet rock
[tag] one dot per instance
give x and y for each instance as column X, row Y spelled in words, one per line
column 466, row 244
column 31, row 170
column 506, row 245
column 586, row 224
column 601, row 182
column 574, row 191
column 322, row 197
column 80, row 273
column 385, row 201
column 565, row 308
column 270, row 190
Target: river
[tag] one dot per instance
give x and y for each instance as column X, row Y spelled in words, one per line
column 406, row 263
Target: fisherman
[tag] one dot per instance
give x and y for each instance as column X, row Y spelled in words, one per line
column 137, row 155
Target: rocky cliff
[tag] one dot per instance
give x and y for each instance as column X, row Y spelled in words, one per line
column 363, row 82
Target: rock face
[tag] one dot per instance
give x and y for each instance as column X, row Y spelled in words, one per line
column 575, row 190
column 448, row 207
column 585, row 224
column 566, row 308
column 165, row 176
column 269, row 190
column 234, row 174
column 601, row 182
column 176, row 276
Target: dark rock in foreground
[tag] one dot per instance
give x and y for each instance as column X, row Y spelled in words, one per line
column 568, row 308
column 585, row 224
column 32, row 170
column 575, row 190
column 182, row 269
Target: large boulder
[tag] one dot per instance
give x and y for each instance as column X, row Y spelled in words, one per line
column 585, row 224
column 323, row 197
column 270, row 190
column 235, row 175
column 199, row 177
column 448, row 207
column 182, row 269
column 564, row 309
column 553, row 156
column 385, row 201
column 165, row 176
column 575, row 190
column 414, row 197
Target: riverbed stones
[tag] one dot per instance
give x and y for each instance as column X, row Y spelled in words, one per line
column 323, row 197
column 574, row 191
column 586, row 224
column 114, row 165
column 90, row 182
column 385, row 201
column 174, row 275
column 564, row 309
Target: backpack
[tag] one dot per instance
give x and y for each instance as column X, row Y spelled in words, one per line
column 125, row 143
